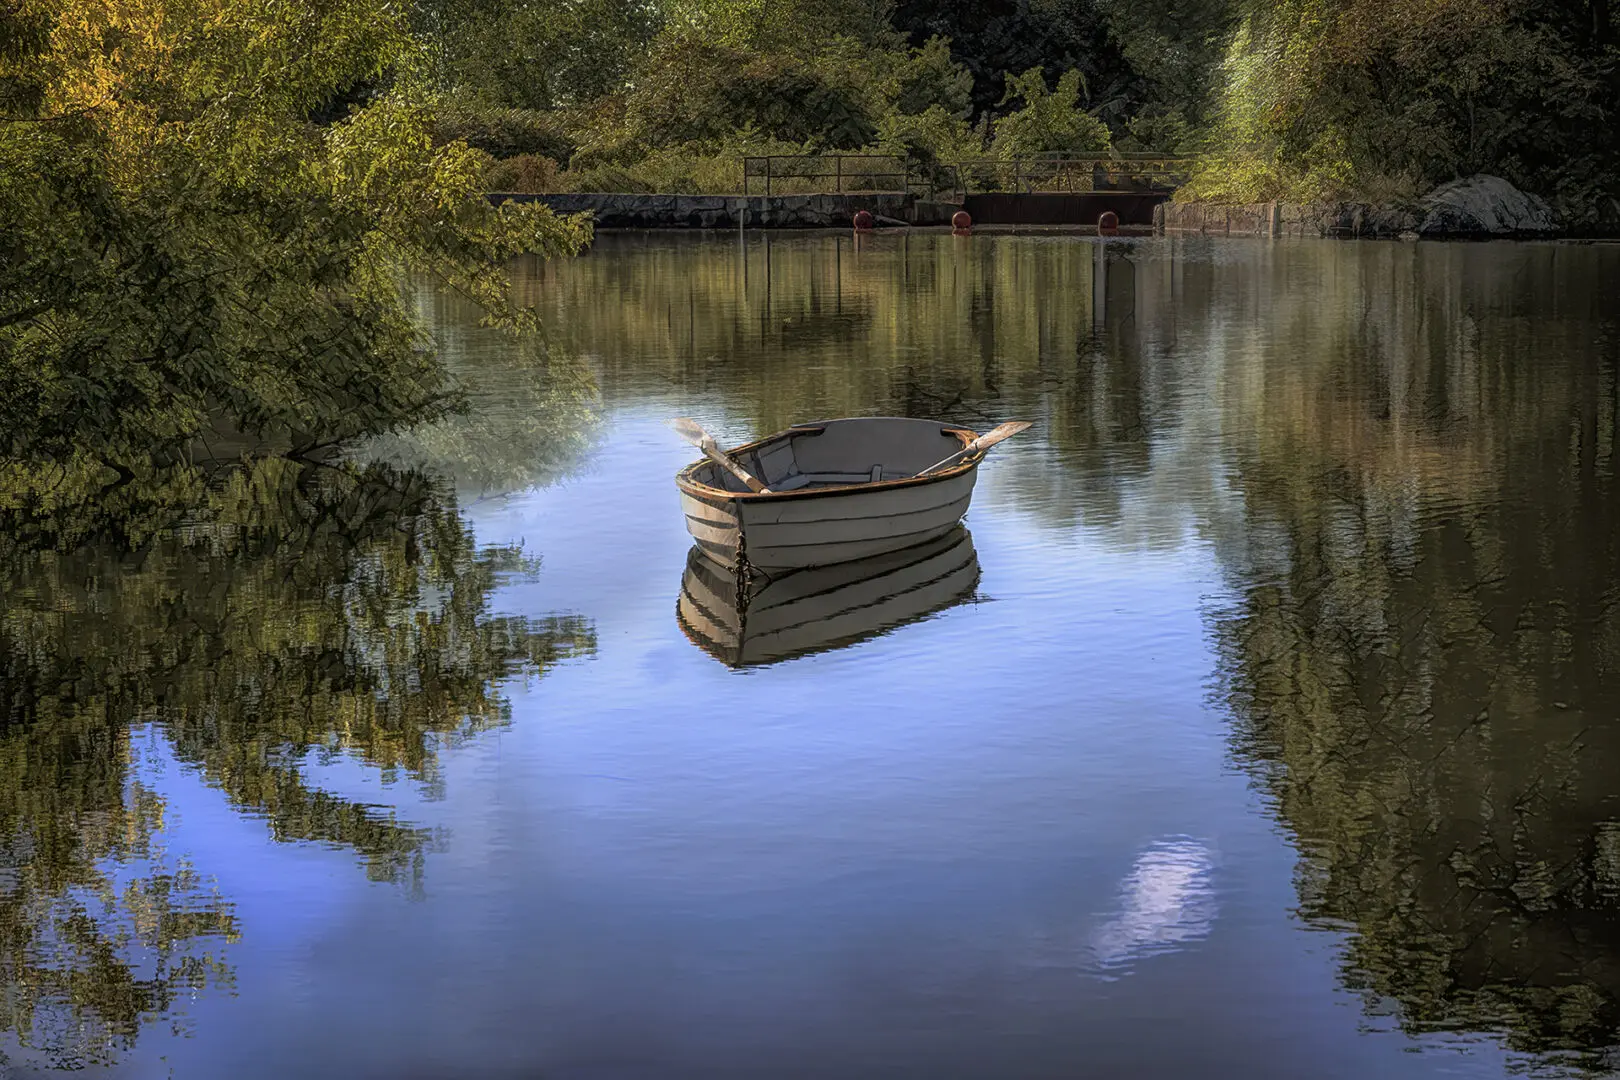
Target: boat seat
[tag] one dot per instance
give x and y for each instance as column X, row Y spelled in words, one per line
column 824, row 479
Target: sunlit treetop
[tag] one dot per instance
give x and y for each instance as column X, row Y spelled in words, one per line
column 205, row 207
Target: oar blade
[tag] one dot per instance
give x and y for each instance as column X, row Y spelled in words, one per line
column 1000, row 432
column 693, row 432
column 983, row 442
column 690, row 430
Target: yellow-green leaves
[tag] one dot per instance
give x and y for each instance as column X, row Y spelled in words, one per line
column 205, row 211
column 1381, row 99
column 1051, row 121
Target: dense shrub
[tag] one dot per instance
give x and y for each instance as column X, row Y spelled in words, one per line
column 933, row 144
column 502, row 133
column 1051, row 121
column 927, row 78
column 523, row 173
column 539, row 55
column 1387, row 98
column 699, row 91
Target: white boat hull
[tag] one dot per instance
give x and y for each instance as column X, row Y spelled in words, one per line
column 827, row 514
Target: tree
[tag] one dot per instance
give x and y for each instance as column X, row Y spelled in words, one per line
column 540, row 55
column 1175, row 47
column 994, row 39
column 204, row 211
column 694, row 90
column 929, row 78
column 1384, row 99
column 1051, row 121
column 797, row 27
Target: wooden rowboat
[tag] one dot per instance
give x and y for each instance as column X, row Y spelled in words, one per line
column 764, row 621
column 837, row 491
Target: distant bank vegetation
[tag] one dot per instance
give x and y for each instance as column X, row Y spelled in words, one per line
column 1373, row 100
column 206, row 207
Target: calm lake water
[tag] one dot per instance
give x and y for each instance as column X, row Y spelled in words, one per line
column 1276, row 735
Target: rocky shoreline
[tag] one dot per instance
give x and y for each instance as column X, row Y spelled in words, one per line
column 1474, row 207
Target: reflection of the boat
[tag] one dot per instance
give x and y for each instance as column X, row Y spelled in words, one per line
column 823, row 608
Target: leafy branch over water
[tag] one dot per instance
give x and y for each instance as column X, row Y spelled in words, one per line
column 205, row 210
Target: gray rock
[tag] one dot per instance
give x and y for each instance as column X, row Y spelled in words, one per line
column 1484, row 206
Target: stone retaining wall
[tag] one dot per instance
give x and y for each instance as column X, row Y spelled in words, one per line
column 726, row 211
column 1314, row 220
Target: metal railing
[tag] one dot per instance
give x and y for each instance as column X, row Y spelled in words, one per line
column 805, row 174
column 1070, row 173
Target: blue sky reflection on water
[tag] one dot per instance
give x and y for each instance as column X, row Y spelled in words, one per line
column 902, row 858
column 1020, row 837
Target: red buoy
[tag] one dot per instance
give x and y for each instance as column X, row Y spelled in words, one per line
column 961, row 222
column 1107, row 223
column 863, row 221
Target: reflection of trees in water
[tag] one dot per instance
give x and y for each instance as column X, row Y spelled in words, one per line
column 532, row 412
column 1403, row 455
column 969, row 331
column 89, row 952
column 294, row 614
column 790, row 328
column 1424, row 657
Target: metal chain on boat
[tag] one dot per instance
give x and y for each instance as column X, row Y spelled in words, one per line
column 745, row 571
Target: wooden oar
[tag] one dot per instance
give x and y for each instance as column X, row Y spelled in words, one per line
column 983, row 442
column 693, row 432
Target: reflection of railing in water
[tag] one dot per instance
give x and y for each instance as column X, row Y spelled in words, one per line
column 1113, row 284
column 765, row 621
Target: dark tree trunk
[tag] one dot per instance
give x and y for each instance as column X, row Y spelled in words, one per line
column 1601, row 29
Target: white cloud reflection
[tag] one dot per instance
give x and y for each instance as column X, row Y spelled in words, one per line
column 1167, row 900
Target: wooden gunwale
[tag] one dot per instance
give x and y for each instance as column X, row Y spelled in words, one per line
column 714, row 495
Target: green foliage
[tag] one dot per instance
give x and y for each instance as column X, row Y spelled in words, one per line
column 931, row 141
column 1303, row 99
column 1387, row 98
column 928, row 79
column 1175, row 47
column 996, row 39
column 795, row 27
column 1158, row 133
column 188, row 257
column 933, row 132
column 540, row 54
column 1051, row 121
column 524, row 173
column 499, row 132
column 612, row 178
column 686, row 169
column 694, row 90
